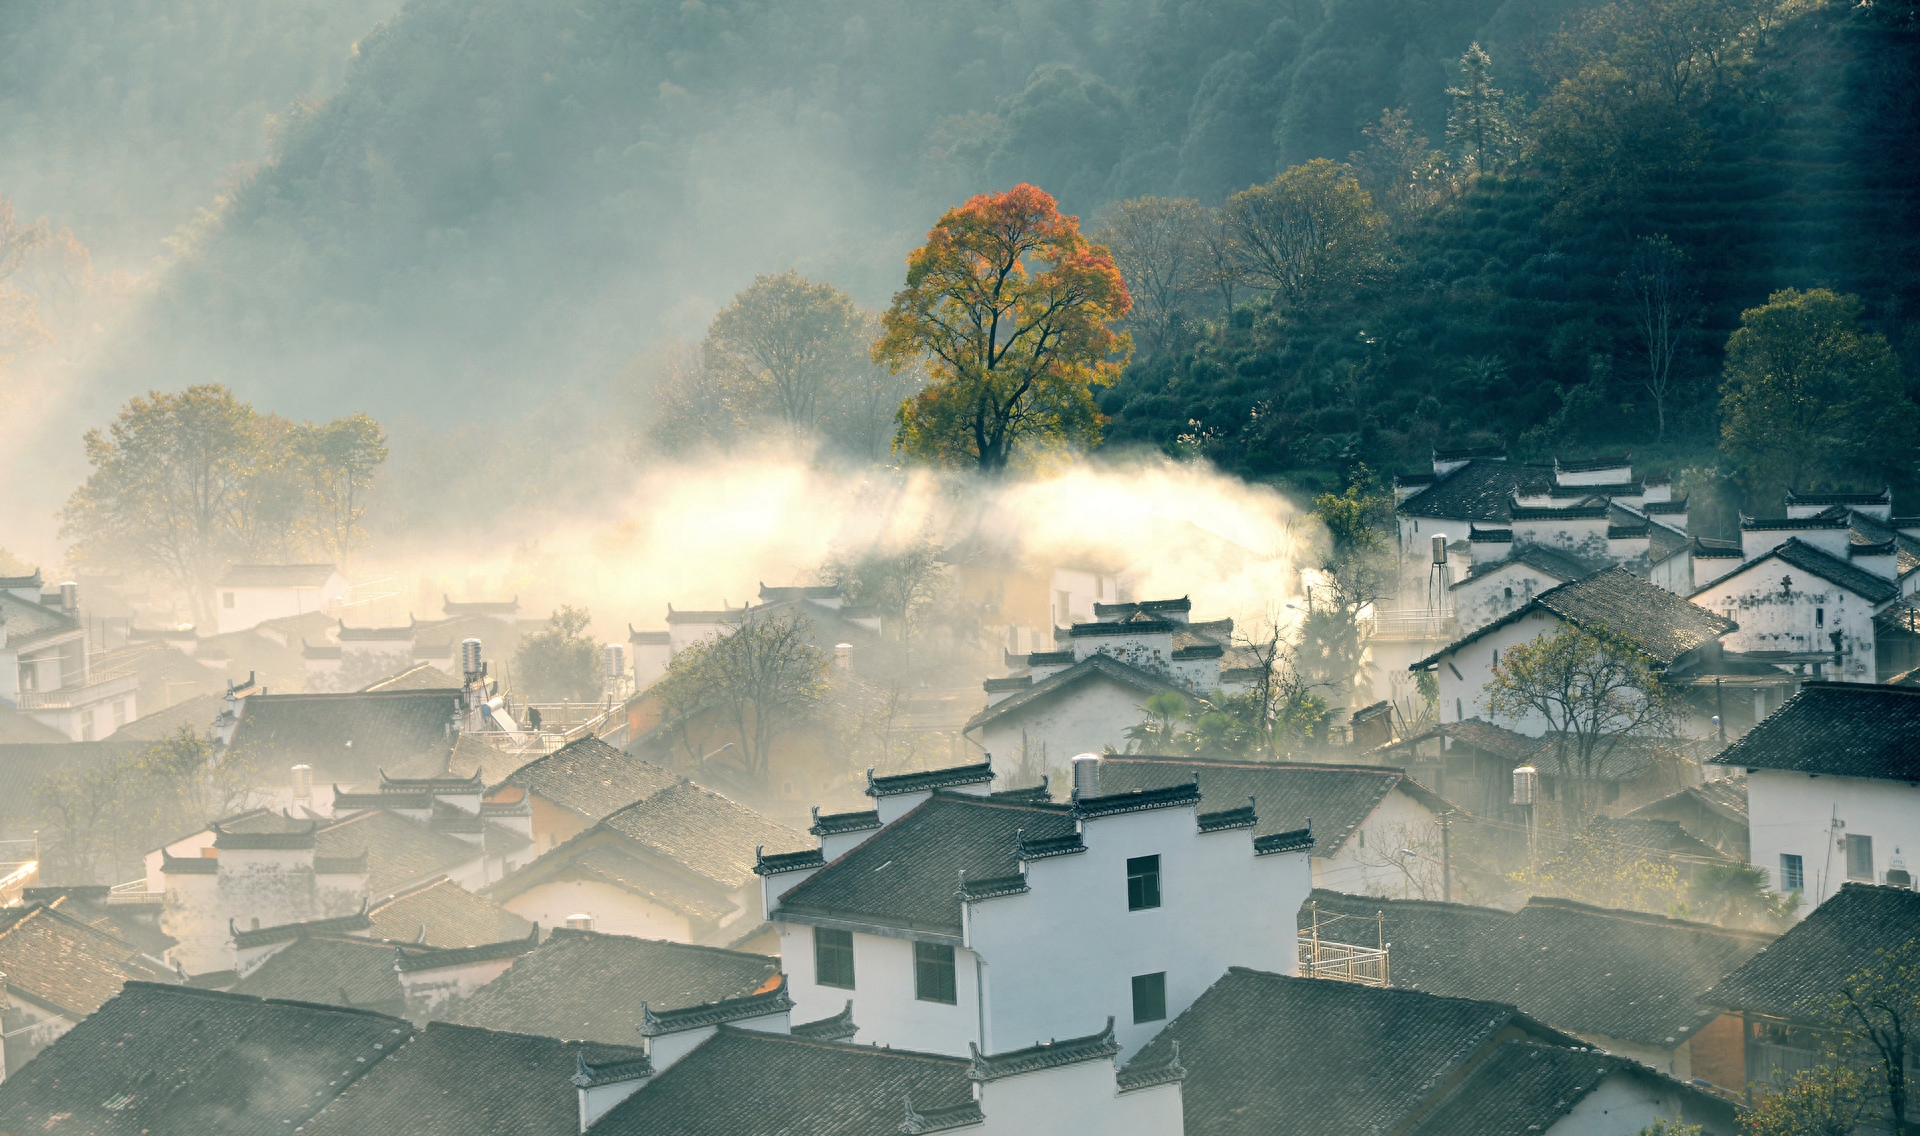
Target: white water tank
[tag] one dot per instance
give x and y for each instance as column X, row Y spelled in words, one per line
column 1526, row 784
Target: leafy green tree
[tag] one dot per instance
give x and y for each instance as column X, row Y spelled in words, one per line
column 559, row 662
column 1878, row 1019
column 1823, row 1101
column 1310, row 235
column 785, row 341
column 759, row 679
column 1736, row 895
column 1405, row 175
column 338, row 461
column 1159, row 245
column 1357, row 571
column 1808, row 398
column 1604, row 141
column 1480, row 124
column 1593, row 690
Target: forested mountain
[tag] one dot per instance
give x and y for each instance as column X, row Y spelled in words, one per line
column 506, row 194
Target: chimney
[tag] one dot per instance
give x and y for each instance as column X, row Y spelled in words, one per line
column 1086, row 775
column 843, row 656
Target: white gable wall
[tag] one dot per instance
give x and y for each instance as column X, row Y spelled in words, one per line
column 1623, row 1104
column 1793, row 814
column 614, row 910
column 1502, row 591
column 1078, row 1099
column 1797, row 619
column 1464, row 673
column 1369, row 863
column 1088, row 717
column 240, row 608
column 884, row 1006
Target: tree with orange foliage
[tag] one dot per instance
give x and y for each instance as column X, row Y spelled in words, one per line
column 1012, row 310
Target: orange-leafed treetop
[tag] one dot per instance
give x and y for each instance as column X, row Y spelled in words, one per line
column 1012, row 310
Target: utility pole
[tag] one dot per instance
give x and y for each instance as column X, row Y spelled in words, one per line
column 1446, row 859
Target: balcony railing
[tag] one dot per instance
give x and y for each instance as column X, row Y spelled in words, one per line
column 1414, row 623
column 102, row 686
column 1343, row 962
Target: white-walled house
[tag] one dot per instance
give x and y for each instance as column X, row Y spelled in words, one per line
column 46, row 669
column 1669, row 630
column 997, row 920
column 1833, row 788
column 1803, row 605
column 250, row 594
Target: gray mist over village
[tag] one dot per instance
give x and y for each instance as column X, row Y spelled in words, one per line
column 1132, row 568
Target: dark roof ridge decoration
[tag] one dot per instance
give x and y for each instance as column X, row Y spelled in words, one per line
column 836, row 824
column 1827, row 520
column 587, row 1074
column 997, row 886
column 1145, row 681
column 471, row 784
column 285, row 932
column 1199, row 651
column 1608, row 489
column 1049, row 658
column 898, row 784
column 1662, row 508
column 839, row 1027
column 781, row 862
column 1883, row 497
column 1009, row 683
column 1589, row 465
column 1124, row 627
column 1297, row 840
column 1065, row 844
column 1837, row 729
column 1627, row 532
column 1644, row 918
column 412, row 959
column 1127, row 1080
column 982, row 1067
column 1478, row 535
column 1577, row 512
column 351, row 801
column 1227, row 819
column 1139, row 800
column 1810, row 558
column 1031, row 794
column 264, row 841
column 940, row 1119
column 1874, row 548
column 1496, row 451
column 1184, row 603
column 228, row 995
column 188, row 865
column 656, row 1023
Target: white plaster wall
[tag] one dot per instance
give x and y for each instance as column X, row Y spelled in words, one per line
column 1089, row 718
column 1485, row 598
column 614, row 911
column 1622, row 1105
column 1773, row 619
column 1372, row 867
column 884, row 1006
column 1464, row 673
column 1061, row 957
column 191, row 914
column 1793, row 813
column 649, row 662
column 1755, row 544
column 1078, row 1100
column 665, row 1050
column 1675, row 573
column 253, row 606
column 1581, row 537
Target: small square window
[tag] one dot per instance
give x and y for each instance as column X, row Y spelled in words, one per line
column 833, row 958
column 1819, row 617
column 1143, row 882
column 1859, row 857
column 226, row 599
column 1150, row 997
column 933, row 973
column 1793, row 876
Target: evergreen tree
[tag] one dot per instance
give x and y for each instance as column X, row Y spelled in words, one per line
column 1479, row 124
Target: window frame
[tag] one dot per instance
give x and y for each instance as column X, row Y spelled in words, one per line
column 1154, row 988
column 1865, row 845
column 820, row 975
column 1143, row 883
column 929, row 962
column 1793, row 871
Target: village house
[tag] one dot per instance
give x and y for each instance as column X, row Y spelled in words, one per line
column 1833, row 788
column 1274, row 1055
column 349, row 739
column 1362, row 817
column 599, row 987
column 441, row 913
column 220, row 1057
column 676, row 864
column 335, row 962
column 1714, row 812
column 1082, row 695
column 960, row 917
column 1783, row 996
column 47, row 670
column 579, row 785
column 250, row 594
column 58, row 968
column 357, row 658
column 1624, row 981
column 1019, row 600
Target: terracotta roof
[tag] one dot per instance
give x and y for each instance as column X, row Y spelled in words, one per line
column 1800, row 974
column 1837, row 729
column 450, row 915
column 591, row 986
column 592, row 778
column 801, row 1087
column 458, row 1079
column 175, row 1059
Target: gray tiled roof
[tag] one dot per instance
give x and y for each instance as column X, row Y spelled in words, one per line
column 1560, row 565
column 905, row 875
column 66, row 963
column 457, row 1079
column 346, row 737
column 451, row 915
column 1336, row 798
column 399, row 851
column 1482, row 490
column 332, row 970
column 1837, row 729
column 1272, row 1055
column 801, row 1087
column 590, row 986
column 1587, row 970
column 704, row 831
column 1102, row 666
column 1659, row 623
column 425, row 676
column 171, row 1059
column 1799, row 975
column 1522, row 1088
column 1799, row 554
column 592, row 778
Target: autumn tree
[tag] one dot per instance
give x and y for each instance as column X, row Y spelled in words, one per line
column 1595, row 692
column 1310, row 234
column 560, row 662
column 1808, row 399
column 1405, row 174
column 337, row 460
column 1159, row 245
column 1660, row 308
column 758, row 679
column 1011, row 309
column 784, row 341
column 1481, row 125
column 1822, row 1101
column 1357, row 569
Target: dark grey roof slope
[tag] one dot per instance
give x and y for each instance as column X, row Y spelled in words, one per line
column 1481, row 490
column 456, row 1079
column 346, row 737
column 1588, row 970
column 1818, row 562
column 1560, row 565
column 703, row 831
column 1336, row 798
column 1522, row 1088
column 1661, row 624
column 1837, row 729
column 798, row 1087
column 592, row 778
column 905, row 874
column 1272, row 1055
column 171, row 1059
column 1091, row 667
column 1800, row 974
column 448, row 914
column 399, row 851
column 333, row 970
column 590, row 986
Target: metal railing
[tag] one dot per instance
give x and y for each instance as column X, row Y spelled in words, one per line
column 1343, row 962
column 1413, row 623
column 68, row 697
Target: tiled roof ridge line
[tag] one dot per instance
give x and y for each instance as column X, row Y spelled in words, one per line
column 1126, row 1082
column 381, row 903
column 586, row 1074
column 842, row 1046
column 1225, row 763
column 1138, row 800
column 654, row 1023
column 1644, row 918
column 179, row 990
column 433, row 958
column 940, row 1119
column 1041, row 1055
